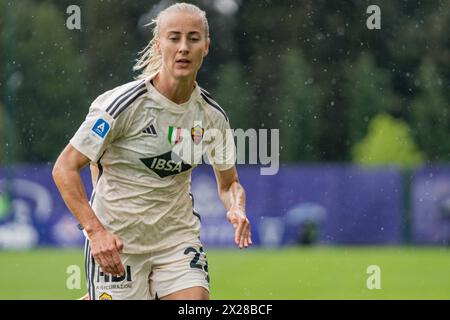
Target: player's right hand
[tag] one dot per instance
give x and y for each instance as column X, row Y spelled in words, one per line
column 106, row 249
column 241, row 225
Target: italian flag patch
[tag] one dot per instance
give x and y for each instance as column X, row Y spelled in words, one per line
column 174, row 135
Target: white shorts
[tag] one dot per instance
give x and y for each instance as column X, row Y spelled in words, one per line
column 150, row 275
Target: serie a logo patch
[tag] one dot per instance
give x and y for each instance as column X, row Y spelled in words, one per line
column 101, row 128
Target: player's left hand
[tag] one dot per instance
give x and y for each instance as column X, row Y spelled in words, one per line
column 241, row 225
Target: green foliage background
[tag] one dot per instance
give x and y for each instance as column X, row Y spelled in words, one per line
column 309, row 68
column 388, row 142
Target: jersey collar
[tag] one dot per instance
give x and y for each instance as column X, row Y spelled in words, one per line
column 167, row 103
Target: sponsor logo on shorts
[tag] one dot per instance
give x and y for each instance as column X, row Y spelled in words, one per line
column 107, row 278
column 114, row 286
column 105, row 281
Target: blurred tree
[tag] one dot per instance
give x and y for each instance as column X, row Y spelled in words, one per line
column 49, row 99
column 367, row 92
column 298, row 110
column 7, row 96
column 388, row 142
column 331, row 34
column 430, row 114
column 234, row 94
column 264, row 32
column 2, row 134
column 420, row 29
column 254, row 41
column 111, row 43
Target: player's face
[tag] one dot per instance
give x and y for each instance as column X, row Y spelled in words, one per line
column 182, row 44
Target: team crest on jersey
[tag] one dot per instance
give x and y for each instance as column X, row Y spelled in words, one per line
column 197, row 134
column 101, row 128
column 174, row 135
column 105, row 296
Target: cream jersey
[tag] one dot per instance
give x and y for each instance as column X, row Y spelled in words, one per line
column 145, row 147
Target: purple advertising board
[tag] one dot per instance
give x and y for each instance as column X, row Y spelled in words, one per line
column 328, row 204
column 35, row 215
column 431, row 205
column 344, row 204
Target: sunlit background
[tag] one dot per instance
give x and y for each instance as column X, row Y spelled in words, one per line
column 364, row 124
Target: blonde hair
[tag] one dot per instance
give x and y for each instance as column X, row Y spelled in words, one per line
column 149, row 61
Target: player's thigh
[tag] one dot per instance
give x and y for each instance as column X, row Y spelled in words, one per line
column 194, row 293
column 132, row 286
column 180, row 272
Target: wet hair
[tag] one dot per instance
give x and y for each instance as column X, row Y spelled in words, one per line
column 149, row 61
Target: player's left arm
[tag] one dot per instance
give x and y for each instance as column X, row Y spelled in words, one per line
column 233, row 197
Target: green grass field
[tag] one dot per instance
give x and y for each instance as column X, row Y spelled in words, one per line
column 292, row 273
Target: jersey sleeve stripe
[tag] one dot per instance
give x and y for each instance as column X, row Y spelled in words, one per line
column 124, row 96
column 214, row 104
column 206, row 93
column 129, row 102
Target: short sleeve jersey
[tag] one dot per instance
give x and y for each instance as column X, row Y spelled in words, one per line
column 145, row 147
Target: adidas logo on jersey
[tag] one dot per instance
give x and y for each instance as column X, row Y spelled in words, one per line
column 151, row 131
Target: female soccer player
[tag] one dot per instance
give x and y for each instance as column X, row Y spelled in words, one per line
column 142, row 231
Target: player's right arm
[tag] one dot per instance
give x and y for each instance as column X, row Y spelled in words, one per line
column 106, row 121
column 105, row 247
